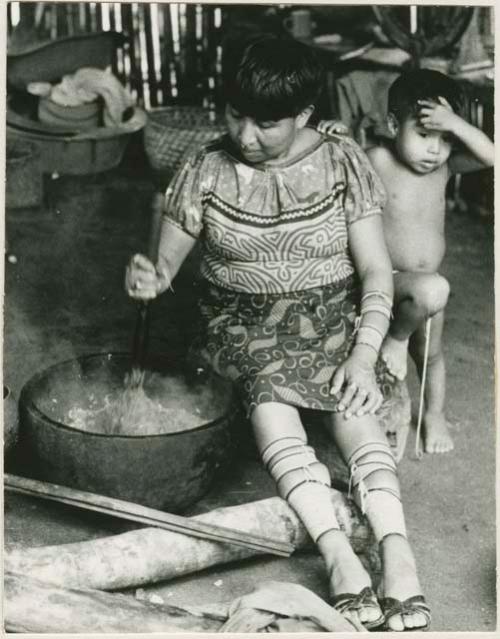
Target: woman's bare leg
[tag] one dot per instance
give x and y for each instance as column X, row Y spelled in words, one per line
column 272, row 423
column 400, row 579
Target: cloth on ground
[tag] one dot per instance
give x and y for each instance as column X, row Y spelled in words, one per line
column 276, row 606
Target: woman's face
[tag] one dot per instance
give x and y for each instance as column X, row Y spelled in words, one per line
column 262, row 141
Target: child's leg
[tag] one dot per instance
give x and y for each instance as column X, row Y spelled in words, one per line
column 305, row 483
column 437, row 438
column 417, row 296
column 376, row 490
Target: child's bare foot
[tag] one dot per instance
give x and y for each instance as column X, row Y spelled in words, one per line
column 348, row 577
column 400, row 584
column 394, row 353
column 437, row 437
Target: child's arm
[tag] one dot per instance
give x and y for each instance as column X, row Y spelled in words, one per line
column 479, row 149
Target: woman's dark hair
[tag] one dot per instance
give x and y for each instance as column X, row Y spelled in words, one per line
column 423, row 84
column 272, row 78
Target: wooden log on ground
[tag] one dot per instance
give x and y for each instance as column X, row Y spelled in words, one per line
column 32, row 606
column 150, row 555
column 141, row 514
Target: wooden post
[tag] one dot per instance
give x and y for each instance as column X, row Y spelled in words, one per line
column 150, row 555
column 32, row 606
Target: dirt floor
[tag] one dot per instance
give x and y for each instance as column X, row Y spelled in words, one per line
column 65, row 298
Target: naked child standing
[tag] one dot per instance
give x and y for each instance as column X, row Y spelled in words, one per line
column 431, row 142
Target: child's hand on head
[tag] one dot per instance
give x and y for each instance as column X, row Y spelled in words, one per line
column 328, row 127
column 439, row 117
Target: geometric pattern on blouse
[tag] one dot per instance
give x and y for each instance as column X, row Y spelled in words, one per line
column 297, row 250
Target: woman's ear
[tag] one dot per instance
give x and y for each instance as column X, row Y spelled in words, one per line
column 392, row 124
column 304, row 116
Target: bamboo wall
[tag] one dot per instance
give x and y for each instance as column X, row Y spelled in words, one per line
column 173, row 51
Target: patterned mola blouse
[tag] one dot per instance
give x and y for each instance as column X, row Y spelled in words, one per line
column 274, row 228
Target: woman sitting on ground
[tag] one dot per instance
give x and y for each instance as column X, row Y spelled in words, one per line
column 296, row 300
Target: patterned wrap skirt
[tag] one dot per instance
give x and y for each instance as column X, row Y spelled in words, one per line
column 279, row 348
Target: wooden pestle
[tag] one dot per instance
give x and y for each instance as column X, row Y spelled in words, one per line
column 141, row 333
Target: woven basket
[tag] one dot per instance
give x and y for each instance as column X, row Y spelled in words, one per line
column 173, row 132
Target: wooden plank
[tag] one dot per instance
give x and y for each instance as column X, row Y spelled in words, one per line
column 192, row 71
column 98, row 16
column 167, row 53
column 70, row 21
column 131, row 74
column 142, row 514
column 177, row 21
column 208, row 55
column 150, row 53
column 53, row 22
column 88, row 17
column 27, row 14
column 216, row 55
column 9, row 18
column 139, row 53
column 112, row 24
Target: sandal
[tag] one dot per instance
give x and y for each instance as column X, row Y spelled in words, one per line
column 347, row 602
column 417, row 603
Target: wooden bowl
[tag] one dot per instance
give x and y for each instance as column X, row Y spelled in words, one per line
column 80, row 117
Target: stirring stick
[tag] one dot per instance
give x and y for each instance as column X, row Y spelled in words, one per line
column 141, row 335
column 140, row 344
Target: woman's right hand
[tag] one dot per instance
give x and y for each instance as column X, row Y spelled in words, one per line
column 355, row 385
column 142, row 279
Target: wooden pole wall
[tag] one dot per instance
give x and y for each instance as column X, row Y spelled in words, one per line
column 172, row 49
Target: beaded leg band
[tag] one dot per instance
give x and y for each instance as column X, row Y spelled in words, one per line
column 304, row 482
column 378, row 497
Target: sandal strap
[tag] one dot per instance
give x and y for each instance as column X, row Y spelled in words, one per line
column 417, row 603
column 348, row 601
column 351, row 601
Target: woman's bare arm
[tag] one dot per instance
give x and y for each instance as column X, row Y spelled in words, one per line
column 145, row 280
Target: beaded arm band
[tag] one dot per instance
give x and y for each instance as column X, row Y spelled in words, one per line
column 368, row 334
column 376, row 308
column 381, row 294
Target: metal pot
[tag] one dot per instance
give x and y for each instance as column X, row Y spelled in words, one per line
column 169, row 471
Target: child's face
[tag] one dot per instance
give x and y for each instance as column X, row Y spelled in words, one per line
column 423, row 150
column 261, row 141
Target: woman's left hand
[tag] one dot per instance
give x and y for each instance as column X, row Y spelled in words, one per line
column 355, row 385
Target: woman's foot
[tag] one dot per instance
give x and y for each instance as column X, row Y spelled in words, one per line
column 394, row 353
column 400, row 582
column 348, row 577
column 437, row 437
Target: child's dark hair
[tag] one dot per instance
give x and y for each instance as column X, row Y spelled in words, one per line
column 273, row 78
column 423, row 84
